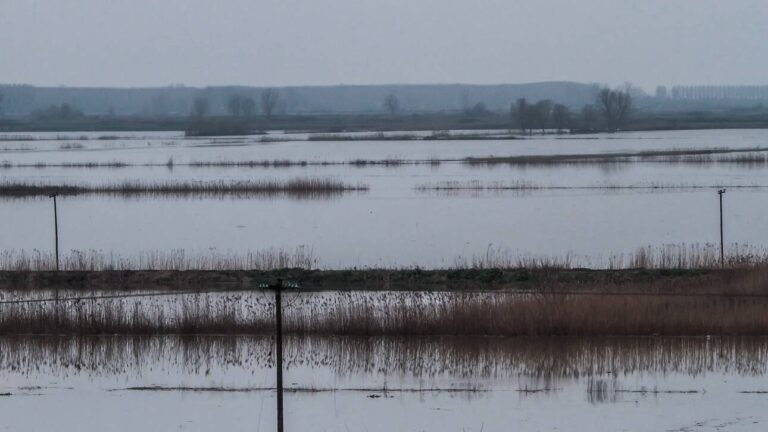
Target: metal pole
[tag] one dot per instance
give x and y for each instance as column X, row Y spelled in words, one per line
column 722, row 247
column 279, row 351
column 56, row 229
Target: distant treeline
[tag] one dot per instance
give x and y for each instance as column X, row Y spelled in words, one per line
column 241, row 111
column 19, row 100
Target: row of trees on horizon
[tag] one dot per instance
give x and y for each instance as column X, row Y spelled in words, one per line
column 609, row 111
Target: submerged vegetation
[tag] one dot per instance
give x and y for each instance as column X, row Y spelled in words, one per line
column 751, row 157
column 694, row 156
column 462, row 313
column 489, row 297
column 476, row 186
column 297, row 188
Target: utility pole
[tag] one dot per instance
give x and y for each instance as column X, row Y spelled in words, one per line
column 278, row 287
column 722, row 247
column 56, row 228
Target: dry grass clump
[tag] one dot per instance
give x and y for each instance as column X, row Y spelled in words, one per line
column 304, row 187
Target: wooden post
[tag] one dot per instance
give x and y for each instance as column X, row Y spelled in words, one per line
column 278, row 287
column 56, row 229
column 722, row 247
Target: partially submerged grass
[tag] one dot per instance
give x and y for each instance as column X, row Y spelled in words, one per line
column 441, row 135
column 701, row 156
column 309, row 187
column 476, row 186
column 71, row 146
column 673, row 257
column 462, row 313
column 752, row 157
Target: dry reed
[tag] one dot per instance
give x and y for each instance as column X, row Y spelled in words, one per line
column 402, row 314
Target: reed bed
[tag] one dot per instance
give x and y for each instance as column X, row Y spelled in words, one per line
column 176, row 260
column 695, row 256
column 401, row 314
column 685, row 256
column 308, row 187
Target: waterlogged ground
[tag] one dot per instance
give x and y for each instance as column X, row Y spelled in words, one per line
column 590, row 214
column 423, row 384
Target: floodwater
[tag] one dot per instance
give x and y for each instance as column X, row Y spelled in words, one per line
column 583, row 211
column 123, row 383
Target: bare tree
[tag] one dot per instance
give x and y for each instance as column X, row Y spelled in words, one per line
column 541, row 114
column 520, row 111
column 269, row 100
column 235, row 105
column 200, row 107
column 615, row 106
column 561, row 117
column 392, row 104
column 248, row 106
column 588, row 117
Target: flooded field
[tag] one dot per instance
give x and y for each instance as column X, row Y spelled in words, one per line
column 413, row 202
column 203, row 383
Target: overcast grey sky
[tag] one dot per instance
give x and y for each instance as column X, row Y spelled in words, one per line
column 294, row 42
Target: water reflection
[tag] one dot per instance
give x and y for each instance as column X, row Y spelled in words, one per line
column 421, row 357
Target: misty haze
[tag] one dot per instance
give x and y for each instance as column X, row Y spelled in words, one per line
column 351, row 215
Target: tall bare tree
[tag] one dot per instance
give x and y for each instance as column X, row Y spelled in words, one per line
column 248, row 106
column 614, row 105
column 541, row 114
column 235, row 105
column 588, row 117
column 561, row 117
column 200, row 107
column 392, row 104
column 269, row 100
column 521, row 115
